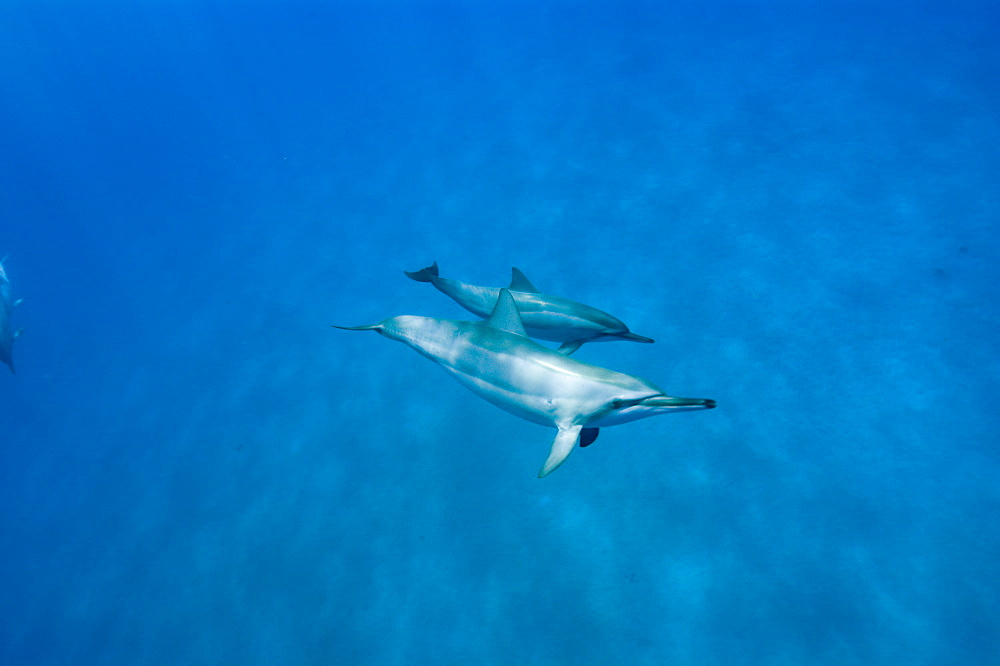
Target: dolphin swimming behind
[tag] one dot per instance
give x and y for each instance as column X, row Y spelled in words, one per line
column 7, row 332
column 545, row 317
column 496, row 360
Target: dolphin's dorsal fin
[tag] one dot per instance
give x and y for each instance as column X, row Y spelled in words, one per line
column 518, row 282
column 562, row 446
column 505, row 316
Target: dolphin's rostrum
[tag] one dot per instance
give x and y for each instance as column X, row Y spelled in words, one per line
column 495, row 359
column 7, row 332
column 545, row 317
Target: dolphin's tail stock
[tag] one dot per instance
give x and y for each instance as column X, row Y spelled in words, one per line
column 628, row 335
column 369, row 327
column 424, row 274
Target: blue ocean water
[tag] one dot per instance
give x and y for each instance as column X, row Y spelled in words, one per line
column 798, row 200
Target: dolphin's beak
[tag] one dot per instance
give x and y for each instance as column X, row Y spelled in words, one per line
column 633, row 337
column 678, row 404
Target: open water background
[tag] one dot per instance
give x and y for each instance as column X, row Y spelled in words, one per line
column 798, row 200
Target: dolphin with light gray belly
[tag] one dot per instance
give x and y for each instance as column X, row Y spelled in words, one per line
column 7, row 332
column 545, row 317
column 496, row 360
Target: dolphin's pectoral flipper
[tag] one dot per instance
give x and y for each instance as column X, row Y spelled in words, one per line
column 518, row 282
column 505, row 316
column 562, row 446
column 569, row 347
column 424, row 274
column 588, row 435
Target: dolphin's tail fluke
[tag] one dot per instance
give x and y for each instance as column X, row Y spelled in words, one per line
column 424, row 274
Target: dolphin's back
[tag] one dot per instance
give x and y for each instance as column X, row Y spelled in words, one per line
column 561, row 319
column 544, row 316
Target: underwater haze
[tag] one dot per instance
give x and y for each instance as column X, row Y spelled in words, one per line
column 797, row 200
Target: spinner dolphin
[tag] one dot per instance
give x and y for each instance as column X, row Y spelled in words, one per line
column 496, row 360
column 545, row 317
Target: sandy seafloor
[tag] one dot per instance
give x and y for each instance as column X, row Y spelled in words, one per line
column 798, row 200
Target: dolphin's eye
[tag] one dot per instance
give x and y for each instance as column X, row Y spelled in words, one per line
column 617, row 404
